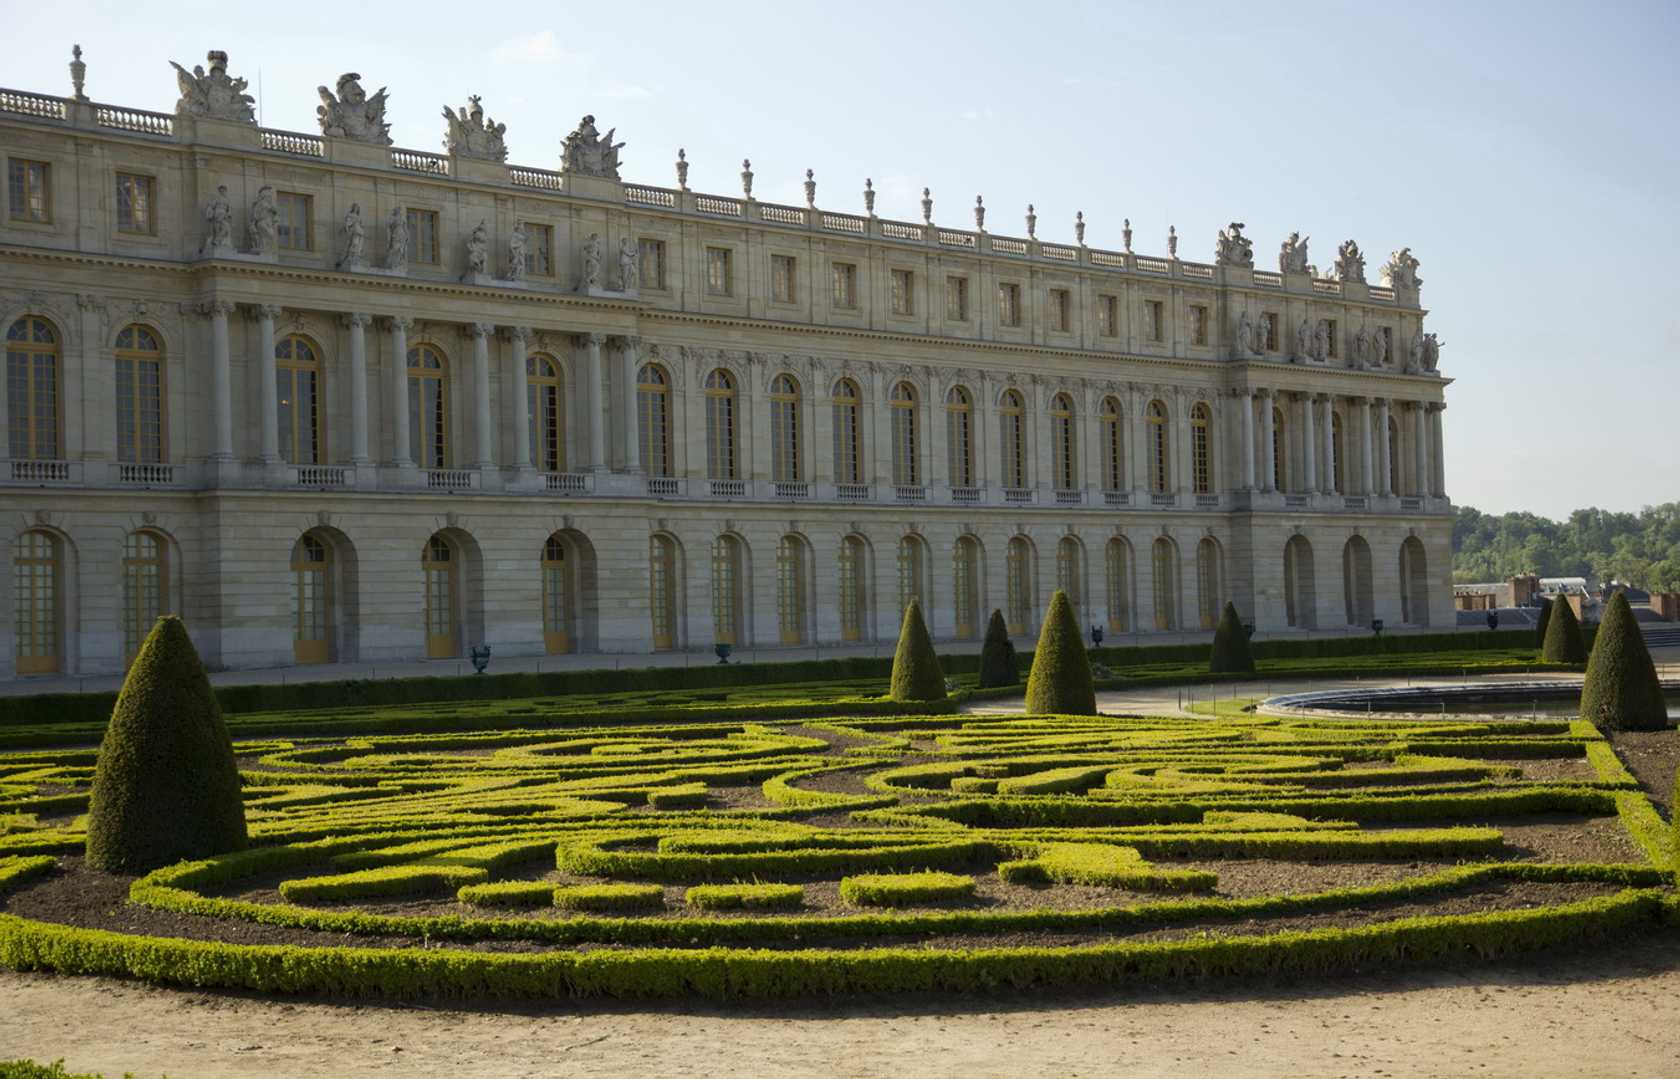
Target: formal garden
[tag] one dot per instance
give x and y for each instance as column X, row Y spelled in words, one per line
column 741, row 832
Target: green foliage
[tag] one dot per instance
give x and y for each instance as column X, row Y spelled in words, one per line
column 610, row 897
column 745, row 896
column 508, row 893
column 1104, row 866
column 1060, row 680
column 1621, row 690
column 394, row 880
column 166, row 786
column 915, row 671
column 29, row 1069
column 1642, row 548
column 1564, row 640
column 998, row 665
column 905, row 889
column 1545, row 621
column 1231, row 654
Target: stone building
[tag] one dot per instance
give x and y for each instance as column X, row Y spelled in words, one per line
column 333, row 400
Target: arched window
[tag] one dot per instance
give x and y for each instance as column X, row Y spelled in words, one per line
column 428, row 409
column 906, row 439
column 1356, row 582
column 297, row 371
column 139, row 396
column 1338, row 454
column 1160, row 475
column 852, row 590
column 37, row 573
column 557, row 593
column 1280, row 450
column 959, row 437
column 785, row 464
column 1013, row 435
column 848, row 454
column 1065, row 461
column 911, row 583
column 1070, row 576
column 32, row 390
column 545, row 413
column 720, row 425
column 1018, row 598
column 1414, row 583
column 662, row 590
column 653, row 418
column 1300, row 584
column 726, row 590
column 1164, row 562
column 790, row 589
column 1113, row 446
column 1210, row 582
column 311, row 600
column 437, row 562
column 1201, row 454
column 145, row 588
column 1118, row 556
column 965, row 590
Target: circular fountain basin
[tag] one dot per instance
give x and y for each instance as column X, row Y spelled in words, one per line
column 1549, row 700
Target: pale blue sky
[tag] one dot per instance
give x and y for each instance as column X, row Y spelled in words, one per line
column 1526, row 152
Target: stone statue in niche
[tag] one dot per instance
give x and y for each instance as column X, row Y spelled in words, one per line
column 218, row 241
column 396, row 240
column 1303, row 341
column 1292, row 256
column 213, row 93
column 592, row 261
column 1401, row 271
column 1234, row 249
column 478, row 250
column 471, row 135
column 588, row 153
column 1245, row 336
column 1362, row 345
column 355, row 239
column 264, row 222
column 1431, row 352
column 516, row 252
column 352, row 114
column 1350, row 264
column 629, row 279
column 1414, row 352
column 1321, row 341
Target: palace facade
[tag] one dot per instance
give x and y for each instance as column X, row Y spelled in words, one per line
column 333, row 401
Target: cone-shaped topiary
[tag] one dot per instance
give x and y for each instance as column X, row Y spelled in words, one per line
column 166, row 786
column 1621, row 690
column 916, row 675
column 998, row 666
column 1231, row 654
column 1545, row 620
column 1564, row 642
column 1060, row 680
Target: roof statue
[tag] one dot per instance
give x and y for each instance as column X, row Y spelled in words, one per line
column 471, row 135
column 587, row 153
column 1234, row 249
column 213, row 93
column 1350, row 264
column 352, row 114
column 1401, row 271
column 1292, row 257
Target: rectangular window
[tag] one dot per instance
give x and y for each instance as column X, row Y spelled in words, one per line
column 292, row 231
column 903, row 292
column 27, row 191
column 1108, row 315
column 423, row 236
column 782, row 286
column 1330, row 324
column 1156, row 310
column 720, row 274
column 1061, row 310
column 956, row 299
column 1009, row 304
column 650, row 262
column 1198, row 324
column 539, row 250
column 845, row 285
column 1271, row 331
column 136, row 204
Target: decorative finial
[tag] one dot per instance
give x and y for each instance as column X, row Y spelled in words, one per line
column 927, row 206
column 1172, row 242
column 869, row 196
column 979, row 214
column 1126, row 234
column 682, row 169
column 746, row 176
column 1079, row 228
column 1032, row 222
column 810, row 189
column 78, row 72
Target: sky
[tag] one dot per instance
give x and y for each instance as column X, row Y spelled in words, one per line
column 1526, row 152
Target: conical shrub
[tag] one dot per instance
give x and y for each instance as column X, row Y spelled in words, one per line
column 166, row 787
column 1564, row 641
column 1231, row 654
column 998, row 665
column 915, row 674
column 1060, row 680
column 1545, row 620
column 1621, row 690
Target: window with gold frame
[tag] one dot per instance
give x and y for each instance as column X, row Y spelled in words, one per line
column 1012, row 432
column 1070, row 575
column 1160, row 472
column 1063, row 453
column 722, row 461
column 1118, row 557
column 37, row 573
column 912, row 585
column 852, row 591
column 848, row 456
column 1113, row 445
column 297, row 368
column 428, row 406
column 726, row 590
column 653, row 418
column 145, row 588
column 1201, row 452
column 1018, row 586
column 790, row 590
column 32, row 394
column 545, row 413
column 965, row 588
column 662, row 590
column 786, row 465
column 294, row 230
column 1164, row 563
column 1209, row 582
column 556, row 597
column 959, row 437
column 312, row 600
column 139, row 395
column 136, row 204
column 29, row 190
column 423, row 236
column 438, row 565
column 905, row 435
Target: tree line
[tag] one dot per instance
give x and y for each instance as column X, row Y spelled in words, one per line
column 1641, row 549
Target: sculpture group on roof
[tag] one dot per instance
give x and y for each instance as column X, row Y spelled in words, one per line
column 352, row 114
column 471, row 135
column 213, row 93
column 588, row 153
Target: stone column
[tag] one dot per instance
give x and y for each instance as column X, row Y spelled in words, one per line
column 399, row 328
column 1329, row 434
column 1439, row 475
column 519, row 405
column 483, row 457
column 1421, row 438
column 1369, row 487
column 1246, row 397
column 630, row 361
column 1385, row 449
column 268, row 394
column 1309, row 446
column 1268, row 440
column 358, row 388
column 597, row 419
column 221, row 378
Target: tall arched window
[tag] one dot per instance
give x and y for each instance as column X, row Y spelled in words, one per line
column 1414, row 583
column 1280, row 450
column 545, row 413
column 1118, row 557
column 297, row 370
column 1356, row 582
column 848, row 452
column 1064, row 459
column 1070, row 575
column 912, row 584
column 1201, row 452
column 662, row 590
column 653, row 418
column 1018, row 591
column 721, row 458
column 438, row 562
column 785, row 463
column 1113, row 446
column 1338, row 454
column 959, row 437
column 906, row 438
column 145, row 587
column 1164, row 563
column 852, row 591
column 790, row 589
column 1012, row 432
column 428, row 409
column 311, row 600
column 139, row 396
column 32, row 400
column 1160, row 474
column 965, row 587
column 1300, row 584
column 1210, row 582
column 37, row 573
column 557, row 593
column 726, row 589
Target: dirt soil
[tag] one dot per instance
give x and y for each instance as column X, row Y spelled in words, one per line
column 1652, row 757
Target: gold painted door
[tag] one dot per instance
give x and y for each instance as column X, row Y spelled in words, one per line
column 557, row 604
column 439, row 567
column 311, row 602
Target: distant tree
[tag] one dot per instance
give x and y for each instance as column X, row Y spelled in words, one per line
column 1231, row 654
column 998, row 665
column 1621, row 691
column 1060, row 680
column 915, row 671
column 1545, row 620
column 1564, row 641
